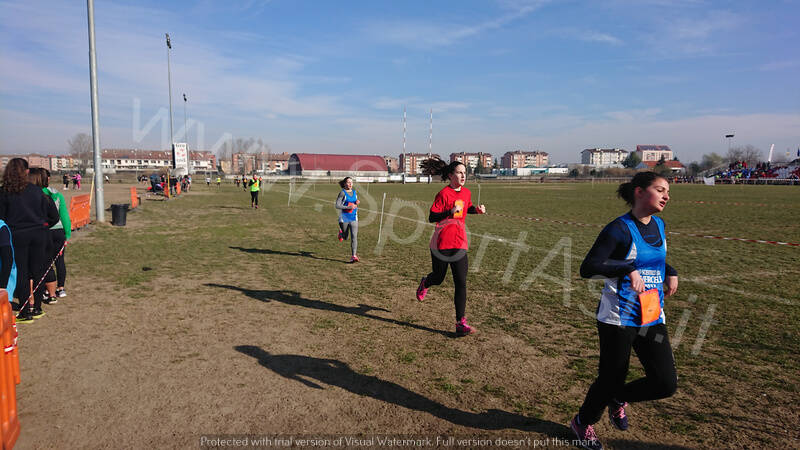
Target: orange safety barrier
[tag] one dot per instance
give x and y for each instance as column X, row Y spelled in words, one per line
column 80, row 208
column 134, row 198
column 178, row 188
column 9, row 375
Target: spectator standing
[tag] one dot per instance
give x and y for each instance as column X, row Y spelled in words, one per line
column 60, row 234
column 28, row 213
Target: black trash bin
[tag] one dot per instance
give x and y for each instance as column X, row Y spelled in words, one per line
column 119, row 214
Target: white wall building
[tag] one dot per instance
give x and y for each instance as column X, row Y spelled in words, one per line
column 654, row 152
column 603, row 157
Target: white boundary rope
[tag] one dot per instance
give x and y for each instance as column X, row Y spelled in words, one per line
column 52, row 263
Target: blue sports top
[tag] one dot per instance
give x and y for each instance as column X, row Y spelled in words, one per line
column 341, row 204
column 619, row 304
column 11, row 285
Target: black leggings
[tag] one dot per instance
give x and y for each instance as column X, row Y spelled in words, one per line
column 254, row 198
column 651, row 345
column 57, row 239
column 29, row 256
column 459, row 264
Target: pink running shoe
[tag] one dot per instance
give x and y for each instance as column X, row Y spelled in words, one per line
column 616, row 413
column 422, row 291
column 462, row 329
column 587, row 438
column 340, row 236
column 354, row 259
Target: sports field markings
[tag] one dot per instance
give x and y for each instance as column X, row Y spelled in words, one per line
column 694, row 280
column 713, row 202
column 675, row 233
column 594, row 225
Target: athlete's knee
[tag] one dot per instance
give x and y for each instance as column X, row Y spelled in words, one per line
column 665, row 386
column 434, row 279
column 460, row 280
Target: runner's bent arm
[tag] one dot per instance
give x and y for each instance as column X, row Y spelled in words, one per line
column 341, row 201
column 607, row 256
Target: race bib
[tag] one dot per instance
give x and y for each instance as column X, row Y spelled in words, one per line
column 650, row 303
column 460, row 214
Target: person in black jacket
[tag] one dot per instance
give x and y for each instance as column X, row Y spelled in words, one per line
column 29, row 213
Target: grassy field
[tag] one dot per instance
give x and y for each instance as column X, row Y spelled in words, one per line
column 387, row 364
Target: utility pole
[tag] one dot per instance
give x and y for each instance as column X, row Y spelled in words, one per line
column 169, row 85
column 98, row 160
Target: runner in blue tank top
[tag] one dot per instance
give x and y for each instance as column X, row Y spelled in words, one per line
column 630, row 254
column 347, row 203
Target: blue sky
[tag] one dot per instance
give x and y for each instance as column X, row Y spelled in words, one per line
column 333, row 77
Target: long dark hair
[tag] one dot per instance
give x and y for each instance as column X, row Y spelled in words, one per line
column 343, row 182
column 435, row 166
column 14, row 177
column 642, row 180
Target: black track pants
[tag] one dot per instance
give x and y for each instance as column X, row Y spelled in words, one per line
column 651, row 345
column 459, row 264
column 58, row 237
column 30, row 248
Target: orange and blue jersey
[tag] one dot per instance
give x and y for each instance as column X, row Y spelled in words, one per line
column 619, row 303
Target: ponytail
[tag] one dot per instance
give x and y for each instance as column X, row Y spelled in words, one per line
column 627, row 191
column 437, row 167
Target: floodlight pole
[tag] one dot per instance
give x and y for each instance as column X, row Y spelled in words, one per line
column 185, row 130
column 403, row 162
column 98, row 160
column 169, row 86
column 186, row 135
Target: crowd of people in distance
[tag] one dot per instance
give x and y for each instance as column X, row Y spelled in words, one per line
column 35, row 228
column 159, row 182
column 739, row 170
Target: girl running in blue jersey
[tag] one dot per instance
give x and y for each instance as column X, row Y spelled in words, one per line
column 347, row 204
column 630, row 253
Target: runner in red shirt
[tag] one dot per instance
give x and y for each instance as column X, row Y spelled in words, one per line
column 449, row 243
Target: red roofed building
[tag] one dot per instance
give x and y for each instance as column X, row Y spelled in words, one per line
column 322, row 165
column 676, row 166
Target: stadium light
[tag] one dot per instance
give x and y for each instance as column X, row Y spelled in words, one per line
column 169, row 85
column 729, row 137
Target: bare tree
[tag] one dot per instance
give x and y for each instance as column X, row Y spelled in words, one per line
column 753, row 155
column 80, row 148
column 224, row 152
column 711, row 161
column 748, row 153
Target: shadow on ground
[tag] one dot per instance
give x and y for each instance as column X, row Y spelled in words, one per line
column 304, row 254
column 317, row 372
column 294, row 298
